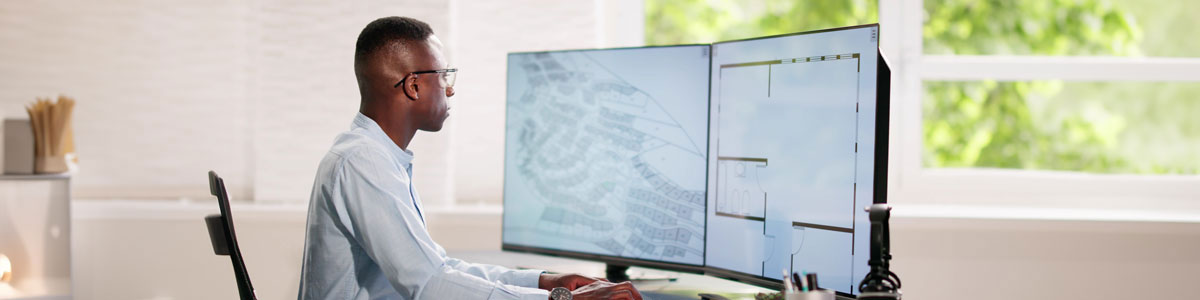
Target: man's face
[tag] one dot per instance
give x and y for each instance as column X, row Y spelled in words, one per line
column 431, row 109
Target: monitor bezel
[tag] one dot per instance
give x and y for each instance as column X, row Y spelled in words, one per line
column 882, row 119
column 608, row 259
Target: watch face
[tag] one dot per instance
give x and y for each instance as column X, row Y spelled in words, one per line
column 560, row 293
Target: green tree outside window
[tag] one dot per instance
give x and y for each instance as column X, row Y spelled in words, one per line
column 992, row 124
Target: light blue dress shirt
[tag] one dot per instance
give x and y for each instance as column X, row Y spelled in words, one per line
column 366, row 236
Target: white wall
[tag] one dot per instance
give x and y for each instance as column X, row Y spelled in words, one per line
column 257, row 89
column 160, row 249
column 307, row 92
column 984, row 259
column 161, row 88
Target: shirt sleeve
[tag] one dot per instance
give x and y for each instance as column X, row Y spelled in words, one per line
column 493, row 273
column 377, row 209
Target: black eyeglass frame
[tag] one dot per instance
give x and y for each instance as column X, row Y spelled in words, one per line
column 441, row 71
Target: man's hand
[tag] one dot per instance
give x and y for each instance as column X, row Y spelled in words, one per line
column 606, row 290
column 568, row 281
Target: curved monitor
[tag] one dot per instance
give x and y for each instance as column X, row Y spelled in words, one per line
column 798, row 148
column 605, row 155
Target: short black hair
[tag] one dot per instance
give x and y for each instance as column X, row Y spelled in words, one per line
column 387, row 30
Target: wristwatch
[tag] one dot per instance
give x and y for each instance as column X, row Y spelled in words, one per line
column 560, row 293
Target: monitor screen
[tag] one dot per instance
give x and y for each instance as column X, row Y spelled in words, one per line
column 792, row 155
column 605, row 153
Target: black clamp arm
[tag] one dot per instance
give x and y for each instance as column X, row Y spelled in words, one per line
column 880, row 282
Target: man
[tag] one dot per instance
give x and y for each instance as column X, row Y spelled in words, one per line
column 366, row 236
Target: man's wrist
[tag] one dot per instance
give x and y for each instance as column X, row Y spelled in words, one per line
column 545, row 281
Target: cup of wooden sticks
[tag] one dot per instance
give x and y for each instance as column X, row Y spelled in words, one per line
column 52, row 134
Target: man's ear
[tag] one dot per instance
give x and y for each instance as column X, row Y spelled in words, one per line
column 410, row 87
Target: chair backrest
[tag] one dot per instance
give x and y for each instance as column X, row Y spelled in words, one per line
column 224, row 240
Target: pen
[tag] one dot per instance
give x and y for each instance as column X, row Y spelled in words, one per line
column 804, row 283
column 796, row 278
column 787, row 282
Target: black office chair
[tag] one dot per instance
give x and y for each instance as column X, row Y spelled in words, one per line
column 224, row 241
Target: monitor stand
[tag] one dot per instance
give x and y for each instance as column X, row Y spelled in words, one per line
column 620, row 273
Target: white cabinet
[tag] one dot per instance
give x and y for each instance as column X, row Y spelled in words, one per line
column 35, row 234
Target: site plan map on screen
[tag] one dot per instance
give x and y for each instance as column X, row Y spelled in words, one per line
column 605, row 152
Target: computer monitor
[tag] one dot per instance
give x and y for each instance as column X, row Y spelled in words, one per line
column 605, row 155
column 798, row 148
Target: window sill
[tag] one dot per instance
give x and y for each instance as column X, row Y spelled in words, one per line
column 979, row 212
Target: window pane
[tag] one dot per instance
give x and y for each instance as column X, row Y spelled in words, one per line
column 1062, row 27
column 670, row 22
column 1094, row 127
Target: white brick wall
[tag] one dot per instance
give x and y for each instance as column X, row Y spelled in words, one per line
column 306, row 92
column 257, row 89
column 161, row 88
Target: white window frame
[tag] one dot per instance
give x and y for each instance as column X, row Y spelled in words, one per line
column 902, row 22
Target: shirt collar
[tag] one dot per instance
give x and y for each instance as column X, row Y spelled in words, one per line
column 376, row 133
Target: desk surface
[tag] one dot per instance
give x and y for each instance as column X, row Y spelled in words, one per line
column 687, row 286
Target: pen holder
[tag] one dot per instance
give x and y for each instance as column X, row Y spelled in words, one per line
column 51, row 164
column 821, row 294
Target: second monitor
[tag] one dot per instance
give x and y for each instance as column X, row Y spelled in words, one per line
column 793, row 158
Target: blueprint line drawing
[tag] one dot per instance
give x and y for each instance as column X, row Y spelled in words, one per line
column 737, row 198
column 822, row 227
column 813, row 158
column 739, row 193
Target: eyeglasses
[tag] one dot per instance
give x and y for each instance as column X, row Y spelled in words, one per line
column 448, row 76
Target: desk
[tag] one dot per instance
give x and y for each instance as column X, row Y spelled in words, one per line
column 687, row 286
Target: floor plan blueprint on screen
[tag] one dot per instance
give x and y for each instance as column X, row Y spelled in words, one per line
column 792, row 154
